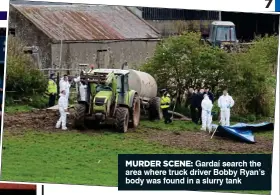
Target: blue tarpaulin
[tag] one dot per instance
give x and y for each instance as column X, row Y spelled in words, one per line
column 244, row 132
column 265, row 126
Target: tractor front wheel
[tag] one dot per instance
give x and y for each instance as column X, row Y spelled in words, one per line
column 79, row 116
column 122, row 119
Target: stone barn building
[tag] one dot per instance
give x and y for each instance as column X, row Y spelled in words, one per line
column 69, row 35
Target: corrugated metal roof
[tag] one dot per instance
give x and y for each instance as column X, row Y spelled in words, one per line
column 87, row 22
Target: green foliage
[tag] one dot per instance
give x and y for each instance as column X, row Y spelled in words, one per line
column 38, row 102
column 22, row 75
column 255, row 82
column 17, row 108
column 184, row 61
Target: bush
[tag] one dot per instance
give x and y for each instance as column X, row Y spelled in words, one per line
column 255, row 83
column 184, row 61
column 23, row 76
column 182, row 110
column 38, row 102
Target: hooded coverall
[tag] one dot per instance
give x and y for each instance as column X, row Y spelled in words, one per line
column 65, row 86
column 63, row 105
column 225, row 103
column 164, row 105
column 206, row 115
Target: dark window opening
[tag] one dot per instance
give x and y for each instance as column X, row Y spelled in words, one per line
column 12, row 31
column 28, row 51
column 101, row 58
column 248, row 25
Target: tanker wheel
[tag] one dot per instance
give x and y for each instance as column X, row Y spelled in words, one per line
column 122, row 119
column 79, row 116
column 135, row 112
column 154, row 109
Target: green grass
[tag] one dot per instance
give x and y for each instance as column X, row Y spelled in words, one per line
column 72, row 158
column 267, row 134
column 38, row 102
column 82, row 158
column 176, row 126
column 17, row 108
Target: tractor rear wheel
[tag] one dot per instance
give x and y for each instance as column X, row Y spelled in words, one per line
column 79, row 116
column 135, row 112
column 154, row 109
column 122, row 119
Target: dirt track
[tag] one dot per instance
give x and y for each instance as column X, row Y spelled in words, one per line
column 201, row 141
column 36, row 119
column 45, row 120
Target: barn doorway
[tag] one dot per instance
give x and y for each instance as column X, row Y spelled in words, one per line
column 249, row 25
column 103, row 58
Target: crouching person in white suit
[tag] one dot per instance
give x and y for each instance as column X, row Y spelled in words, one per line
column 206, row 114
column 225, row 103
column 63, row 105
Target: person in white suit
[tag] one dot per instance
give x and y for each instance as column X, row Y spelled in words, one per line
column 225, row 103
column 206, row 114
column 62, row 105
column 64, row 85
column 82, row 88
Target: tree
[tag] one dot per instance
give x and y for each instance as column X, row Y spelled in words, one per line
column 256, row 77
column 184, row 61
column 22, row 75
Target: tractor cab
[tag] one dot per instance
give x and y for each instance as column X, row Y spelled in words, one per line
column 106, row 89
column 222, row 34
column 120, row 77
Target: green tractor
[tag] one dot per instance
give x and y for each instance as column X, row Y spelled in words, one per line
column 223, row 35
column 108, row 96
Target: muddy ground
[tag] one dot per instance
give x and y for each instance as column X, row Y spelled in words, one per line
column 44, row 120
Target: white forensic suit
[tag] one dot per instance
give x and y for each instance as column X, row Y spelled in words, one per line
column 65, row 86
column 61, row 83
column 82, row 89
column 62, row 105
column 225, row 102
column 206, row 114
